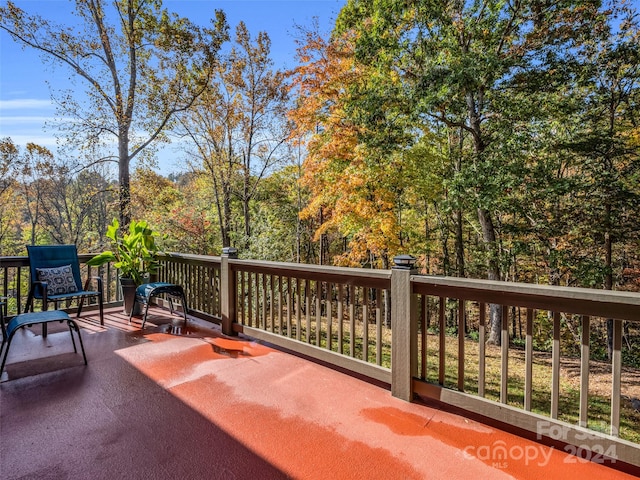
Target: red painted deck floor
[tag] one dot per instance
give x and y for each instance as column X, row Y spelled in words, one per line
column 176, row 403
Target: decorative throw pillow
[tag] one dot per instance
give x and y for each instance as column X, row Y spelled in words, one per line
column 59, row 279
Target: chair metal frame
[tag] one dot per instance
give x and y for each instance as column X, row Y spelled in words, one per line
column 28, row 319
column 49, row 256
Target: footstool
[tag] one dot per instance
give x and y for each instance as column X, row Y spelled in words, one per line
column 34, row 318
column 146, row 291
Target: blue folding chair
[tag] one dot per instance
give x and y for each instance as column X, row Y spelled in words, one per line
column 55, row 277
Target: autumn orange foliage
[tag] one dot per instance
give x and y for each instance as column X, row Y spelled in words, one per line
column 347, row 184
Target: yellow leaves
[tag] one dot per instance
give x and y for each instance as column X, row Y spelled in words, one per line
column 354, row 190
column 7, row 148
column 40, row 151
column 356, row 201
column 327, row 66
column 633, row 137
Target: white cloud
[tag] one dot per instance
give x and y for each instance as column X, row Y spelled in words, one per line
column 39, row 139
column 25, row 103
column 24, row 120
column 23, row 129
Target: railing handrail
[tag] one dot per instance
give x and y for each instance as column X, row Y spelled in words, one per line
column 14, row 261
column 471, row 286
column 23, row 260
column 20, row 276
column 361, row 276
column 581, row 301
column 191, row 257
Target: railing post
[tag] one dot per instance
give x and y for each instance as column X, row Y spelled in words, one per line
column 404, row 333
column 228, row 291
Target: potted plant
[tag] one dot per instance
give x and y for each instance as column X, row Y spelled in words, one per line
column 134, row 254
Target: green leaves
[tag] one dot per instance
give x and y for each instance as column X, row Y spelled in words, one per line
column 134, row 253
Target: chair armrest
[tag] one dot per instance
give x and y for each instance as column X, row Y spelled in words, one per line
column 98, row 280
column 43, row 285
column 32, row 294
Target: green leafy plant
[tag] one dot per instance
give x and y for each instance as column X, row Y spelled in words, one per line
column 134, row 253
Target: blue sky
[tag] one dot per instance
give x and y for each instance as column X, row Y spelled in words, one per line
column 26, row 111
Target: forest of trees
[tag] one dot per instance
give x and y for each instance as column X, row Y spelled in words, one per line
column 490, row 139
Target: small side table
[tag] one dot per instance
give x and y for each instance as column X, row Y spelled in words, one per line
column 146, row 291
column 34, row 318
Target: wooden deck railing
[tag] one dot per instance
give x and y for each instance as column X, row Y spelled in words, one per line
column 447, row 372
column 409, row 331
column 200, row 277
column 14, row 282
column 339, row 315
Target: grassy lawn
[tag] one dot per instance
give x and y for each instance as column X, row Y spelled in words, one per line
column 599, row 409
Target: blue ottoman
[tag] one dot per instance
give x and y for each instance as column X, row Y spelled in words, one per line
column 146, row 291
column 34, row 318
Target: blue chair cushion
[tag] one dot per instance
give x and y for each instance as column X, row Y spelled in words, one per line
column 147, row 290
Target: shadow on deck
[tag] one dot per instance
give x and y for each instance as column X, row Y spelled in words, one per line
column 175, row 402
